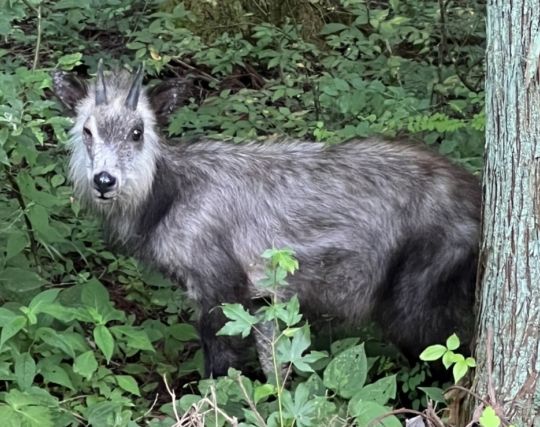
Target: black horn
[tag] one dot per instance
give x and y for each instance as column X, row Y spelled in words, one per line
column 133, row 95
column 101, row 91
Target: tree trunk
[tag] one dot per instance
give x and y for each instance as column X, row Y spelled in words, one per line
column 508, row 341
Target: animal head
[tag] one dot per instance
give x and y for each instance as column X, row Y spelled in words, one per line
column 114, row 140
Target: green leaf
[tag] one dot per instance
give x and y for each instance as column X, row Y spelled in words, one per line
column 433, row 352
column 104, row 340
column 292, row 350
column 240, row 322
column 68, row 62
column 36, row 416
column 434, row 393
column 183, row 332
column 16, row 242
column 85, row 364
column 128, row 383
column 20, row 280
column 367, row 412
column 11, row 328
column 57, row 375
column 448, row 358
column 459, row 370
column 489, row 418
column 135, row 338
column 263, row 391
column 379, row 392
column 471, row 362
column 42, row 299
column 333, row 27
column 56, row 340
column 25, row 370
column 346, row 374
column 452, row 343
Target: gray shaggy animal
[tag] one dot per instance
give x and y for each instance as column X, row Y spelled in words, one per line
column 382, row 230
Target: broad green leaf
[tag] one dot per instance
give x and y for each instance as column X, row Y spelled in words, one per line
column 85, row 364
column 379, row 392
column 263, row 391
column 292, row 350
column 55, row 339
column 104, row 340
column 135, row 338
column 489, row 418
column 42, row 299
column 367, row 413
column 183, row 332
column 346, row 374
column 459, row 370
column 11, row 328
column 16, row 242
column 333, row 27
column 434, row 393
column 240, row 322
column 25, row 370
column 452, row 343
column 9, row 417
column 36, row 416
column 20, row 280
column 128, row 383
column 433, row 352
column 57, row 375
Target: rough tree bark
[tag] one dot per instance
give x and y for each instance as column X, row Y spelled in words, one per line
column 508, row 338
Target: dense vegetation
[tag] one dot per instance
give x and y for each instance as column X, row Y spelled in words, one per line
column 87, row 336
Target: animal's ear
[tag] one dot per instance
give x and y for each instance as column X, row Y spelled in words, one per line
column 168, row 96
column 69, row 89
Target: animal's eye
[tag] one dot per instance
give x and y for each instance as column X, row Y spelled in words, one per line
column 136, row 134
column 87, row 132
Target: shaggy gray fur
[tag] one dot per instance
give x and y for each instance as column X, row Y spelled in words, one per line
column 382, row 230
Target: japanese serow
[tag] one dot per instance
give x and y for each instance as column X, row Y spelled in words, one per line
column 383, row 231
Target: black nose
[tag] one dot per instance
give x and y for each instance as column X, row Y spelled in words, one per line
column 104, row 182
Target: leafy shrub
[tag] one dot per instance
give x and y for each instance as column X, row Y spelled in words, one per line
column 87, row 336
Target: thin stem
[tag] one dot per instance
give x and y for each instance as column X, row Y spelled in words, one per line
column 39, row 31
column 38, row 40
column 22, row 204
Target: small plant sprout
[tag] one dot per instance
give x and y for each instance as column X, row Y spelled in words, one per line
column 460, row 363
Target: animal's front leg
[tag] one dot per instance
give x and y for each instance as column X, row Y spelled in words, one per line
column 220, row 352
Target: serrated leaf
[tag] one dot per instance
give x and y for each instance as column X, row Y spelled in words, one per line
column 347, row 373
column 452, row 343
column 104, row 340
column 263, row 391
column 240, row 322
column 433, row 352
column 25, row 370
column 85, row 364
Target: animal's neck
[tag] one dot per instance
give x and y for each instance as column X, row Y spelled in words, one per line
column 133, row 228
